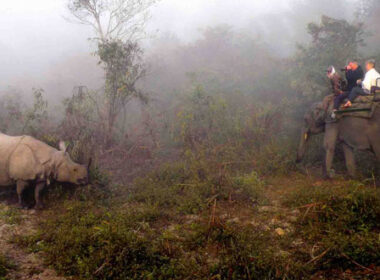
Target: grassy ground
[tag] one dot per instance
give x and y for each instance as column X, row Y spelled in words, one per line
column 174, row 225
column 3, row 267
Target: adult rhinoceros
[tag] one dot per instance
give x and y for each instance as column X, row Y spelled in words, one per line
column 25, row 160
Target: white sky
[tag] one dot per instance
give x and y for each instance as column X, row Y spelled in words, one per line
column 36, row 39
column 35, row 34
column 185, row 17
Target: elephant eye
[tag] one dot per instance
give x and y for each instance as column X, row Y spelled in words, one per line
column 75, row 170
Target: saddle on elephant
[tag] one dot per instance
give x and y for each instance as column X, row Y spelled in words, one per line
column 363, row 106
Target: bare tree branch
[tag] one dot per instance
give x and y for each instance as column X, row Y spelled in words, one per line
column 112, row 19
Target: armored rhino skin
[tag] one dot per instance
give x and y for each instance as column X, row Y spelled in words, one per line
column 25, row 160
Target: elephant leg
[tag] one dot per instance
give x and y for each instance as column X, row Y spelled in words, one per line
column 37, row 194
column 21, row 185
column 376, row 150
column 331, row 134
column 329, row 158
column 350, row 160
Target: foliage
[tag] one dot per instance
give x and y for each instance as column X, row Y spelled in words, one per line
column 341, row 223
column 184, row 190
column 123, row 68
column 233, row 134
column 4, row 266
column 333, row 43
column 171, row 225
column 112, row 19
column 11, row 216
column 37, row 116
column 231, row 125
column 19, row 118
column 11, row 111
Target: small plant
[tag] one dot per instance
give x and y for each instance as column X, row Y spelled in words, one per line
column 342, row 221
column 5, row 265
column 11, row 216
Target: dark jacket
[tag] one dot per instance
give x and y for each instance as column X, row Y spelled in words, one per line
column 352, row 76
column 337, row 84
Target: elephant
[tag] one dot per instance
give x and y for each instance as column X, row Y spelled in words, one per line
column 354, row 133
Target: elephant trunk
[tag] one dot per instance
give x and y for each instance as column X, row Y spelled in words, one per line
column 302, row 144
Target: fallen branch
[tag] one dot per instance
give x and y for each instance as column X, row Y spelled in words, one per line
column 356, row 263
column 101, row 268
column 309, row 205
column 318, row 257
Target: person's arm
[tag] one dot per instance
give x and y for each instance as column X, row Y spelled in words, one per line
column 367, row 83
column 337, row 85
column 360, row 74
column 349, row 75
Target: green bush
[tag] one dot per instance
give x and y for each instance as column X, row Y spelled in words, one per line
column 96, row 243
column 187, row 191
column 342, row 221
column 4, row 267
column 11, row 216
column 149, row 234
column 93, row 242
column 127, row 236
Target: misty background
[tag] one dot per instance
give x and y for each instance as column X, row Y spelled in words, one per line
column 41, row 47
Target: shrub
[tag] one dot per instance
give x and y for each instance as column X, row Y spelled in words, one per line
column 11, row 216
column 4, row 267
column 190, row 190
column 342, row 221
column 93, row 242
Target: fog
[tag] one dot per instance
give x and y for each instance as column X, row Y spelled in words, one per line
column 41, row 47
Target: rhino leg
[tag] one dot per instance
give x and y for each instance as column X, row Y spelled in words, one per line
column 21, row 185
column 37, row 195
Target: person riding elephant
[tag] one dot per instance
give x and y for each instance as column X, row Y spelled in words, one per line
column 364, row 87
column 354, row 133
column 338, row 87
column 354, row 73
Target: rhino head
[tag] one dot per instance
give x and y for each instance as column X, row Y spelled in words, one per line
column 66, row 170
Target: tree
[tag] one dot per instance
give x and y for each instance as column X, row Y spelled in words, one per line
column 369, row 13
column 333, row 43
column 112, row 19
column 116, row 23
column 123, row 67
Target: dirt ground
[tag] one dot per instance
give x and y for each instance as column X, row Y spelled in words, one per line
column 24, row 265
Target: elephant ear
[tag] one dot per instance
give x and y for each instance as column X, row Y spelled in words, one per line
column 319, row 106
column 319, row 113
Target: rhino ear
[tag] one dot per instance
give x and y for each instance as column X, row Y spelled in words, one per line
column 62, row 146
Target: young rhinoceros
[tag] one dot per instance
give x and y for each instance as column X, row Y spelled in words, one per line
column 25, row 160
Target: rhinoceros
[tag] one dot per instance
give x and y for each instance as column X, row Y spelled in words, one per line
column 25, row 160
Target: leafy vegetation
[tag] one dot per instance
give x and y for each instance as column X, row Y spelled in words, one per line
column 11, row 216
column 161, row 230
column 215, row 191
column 4, row 266
column 342, row 223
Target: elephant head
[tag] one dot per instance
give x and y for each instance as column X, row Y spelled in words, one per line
column 314, row 124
